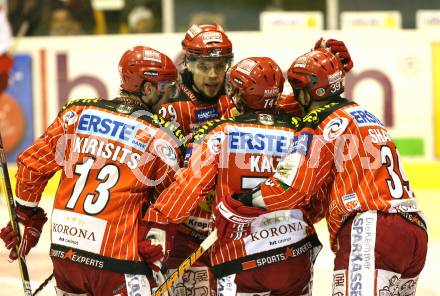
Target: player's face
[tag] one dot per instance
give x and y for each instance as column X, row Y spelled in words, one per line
column 167, row 89
column 237, row 99
column 208, row 75
column 153, row 93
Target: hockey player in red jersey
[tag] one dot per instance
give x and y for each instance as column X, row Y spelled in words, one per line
column 235, row 154
column 207, row 56
column 343, row 147
column 287, row 102
column 201, row 98
column 115, row 156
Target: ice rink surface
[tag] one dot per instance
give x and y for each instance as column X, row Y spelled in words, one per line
column 39, row 263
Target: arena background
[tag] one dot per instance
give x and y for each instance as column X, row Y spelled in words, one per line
column 396, row 52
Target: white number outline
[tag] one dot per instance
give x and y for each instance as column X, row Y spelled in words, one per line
column 269, row 103
column 396, row 184
column 93, row 205
column 334, row 87
column 170, row 110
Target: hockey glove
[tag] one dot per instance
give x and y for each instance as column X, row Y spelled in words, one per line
column 33, row 220
column 233, row 219
column 339, row 49
column 155, row 242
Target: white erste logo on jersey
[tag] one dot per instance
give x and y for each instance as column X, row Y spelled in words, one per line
column 362, row 117
column 266, row 119
column 335, row 128
column 246, row 66
column 127, row 131
column 210, row 37
column 259, row 141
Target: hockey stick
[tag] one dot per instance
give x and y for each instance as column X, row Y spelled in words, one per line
column 13, row 217
column 186, row 264
column 159, row 277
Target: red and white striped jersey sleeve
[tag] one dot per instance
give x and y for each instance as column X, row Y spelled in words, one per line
column 226, row 107
column 192, row 184
column 38, row 163
column 300, row 174
column 167, row 153
column 164, row 173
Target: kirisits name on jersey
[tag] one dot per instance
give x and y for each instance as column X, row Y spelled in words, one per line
column 106, row 150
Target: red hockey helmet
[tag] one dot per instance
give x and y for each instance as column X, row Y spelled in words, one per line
column 142, row 63
column 319, row 72
column 206, row 41
column 260, row 79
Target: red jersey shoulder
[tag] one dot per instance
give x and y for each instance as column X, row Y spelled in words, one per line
column 191, row 116
column 177, row 110
column 119, row 120
column 334, row 125
column 361, row 116
column 171, row 105
column 209, row 128
column 225, row 101
column 354, row 116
